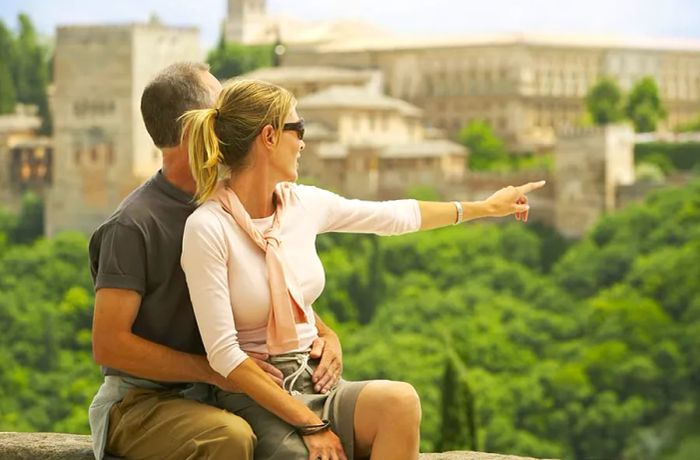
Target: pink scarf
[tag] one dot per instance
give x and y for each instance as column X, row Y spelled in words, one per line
column 287, row 302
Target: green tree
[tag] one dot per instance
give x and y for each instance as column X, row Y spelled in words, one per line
column 8, row 96
column 30, row 222
column 47, row 376
column 486, row 150
column 458, row 427
column 604, row 101
column 644, row 107
column 229, row 60
column 31, row 73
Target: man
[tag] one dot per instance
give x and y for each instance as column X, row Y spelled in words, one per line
column 153, row 403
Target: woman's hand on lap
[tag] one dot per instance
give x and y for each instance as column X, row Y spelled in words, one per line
column 325, row 446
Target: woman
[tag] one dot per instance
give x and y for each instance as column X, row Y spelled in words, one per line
column 253, row 274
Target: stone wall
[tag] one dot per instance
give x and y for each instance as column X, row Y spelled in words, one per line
column 58, row 446
column 590, row 164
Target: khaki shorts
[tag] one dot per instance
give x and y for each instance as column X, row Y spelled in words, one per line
column 156, row 425
column 277, row 440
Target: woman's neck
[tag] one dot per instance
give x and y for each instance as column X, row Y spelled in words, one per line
column 256, row 191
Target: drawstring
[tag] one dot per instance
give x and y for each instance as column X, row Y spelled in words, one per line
column 303, row 361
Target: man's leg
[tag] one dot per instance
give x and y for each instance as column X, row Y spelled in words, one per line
column 149, row 424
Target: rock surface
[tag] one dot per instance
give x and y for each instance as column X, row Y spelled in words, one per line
column 58, row 446
column 45, row 446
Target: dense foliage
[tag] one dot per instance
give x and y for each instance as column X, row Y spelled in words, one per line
column 228, row 60
column 642, row 106
column 588, row 355
column 24, row 70
column 517, row 340
column 683, row 156
column 487, row 151
column 604, row 101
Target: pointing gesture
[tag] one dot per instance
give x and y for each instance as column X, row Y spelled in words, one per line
column 512, row 200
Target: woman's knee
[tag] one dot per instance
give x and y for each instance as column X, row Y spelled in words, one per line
column 400, row 401
column 390, row 400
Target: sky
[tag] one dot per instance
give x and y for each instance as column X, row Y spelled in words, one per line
column 640, row 18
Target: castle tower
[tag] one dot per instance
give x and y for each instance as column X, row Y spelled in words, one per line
column 590, row 164
column 246, row 22
column 102, row 149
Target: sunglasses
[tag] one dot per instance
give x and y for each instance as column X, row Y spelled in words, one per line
column 297, row 126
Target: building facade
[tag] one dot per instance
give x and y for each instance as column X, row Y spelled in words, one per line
column 302, row 81
column 365, row 144
column 25, row 157
column 526, row 87
column 102, row 150
column 592, row 165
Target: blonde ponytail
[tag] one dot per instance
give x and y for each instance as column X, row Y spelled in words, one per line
column 221, row 138
column 204, row 153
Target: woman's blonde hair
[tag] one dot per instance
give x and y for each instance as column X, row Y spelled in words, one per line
column 223, row 135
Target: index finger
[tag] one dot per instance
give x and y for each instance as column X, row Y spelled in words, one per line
column 529, row 187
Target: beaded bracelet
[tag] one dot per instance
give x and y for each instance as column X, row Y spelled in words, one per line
column 306, row 430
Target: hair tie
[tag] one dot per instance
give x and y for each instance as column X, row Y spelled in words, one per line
column 217, row 113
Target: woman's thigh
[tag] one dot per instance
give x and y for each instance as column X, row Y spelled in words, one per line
column 277, row 440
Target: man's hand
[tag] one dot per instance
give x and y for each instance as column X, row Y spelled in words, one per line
column 260, row 359
column 329, row 370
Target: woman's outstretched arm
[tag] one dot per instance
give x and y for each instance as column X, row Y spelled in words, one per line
column 507, row 201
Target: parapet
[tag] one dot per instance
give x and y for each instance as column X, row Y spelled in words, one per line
column 59, row 446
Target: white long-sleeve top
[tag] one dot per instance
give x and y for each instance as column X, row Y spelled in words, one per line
column 227, row 275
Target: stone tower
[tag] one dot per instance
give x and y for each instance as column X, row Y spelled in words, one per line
column 102, row 149
column 590, row 164
column 246, row 22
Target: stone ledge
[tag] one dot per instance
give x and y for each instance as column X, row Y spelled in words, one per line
column 45, row 446
column 58, row 446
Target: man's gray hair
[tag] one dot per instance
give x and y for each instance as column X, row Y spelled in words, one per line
column 175, row 90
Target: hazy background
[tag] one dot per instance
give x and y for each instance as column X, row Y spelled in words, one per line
column 675, row 18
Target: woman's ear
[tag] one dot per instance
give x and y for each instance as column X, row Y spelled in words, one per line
column 267, row 136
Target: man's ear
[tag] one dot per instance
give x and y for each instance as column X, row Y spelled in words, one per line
column 267, row 136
